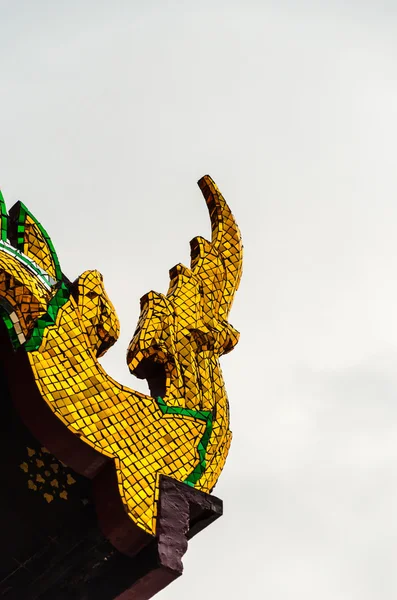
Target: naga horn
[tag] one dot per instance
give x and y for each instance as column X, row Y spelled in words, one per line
column 226, row 245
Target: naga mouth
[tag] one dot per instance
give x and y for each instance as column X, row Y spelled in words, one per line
column 105, row 344
column 151, row 369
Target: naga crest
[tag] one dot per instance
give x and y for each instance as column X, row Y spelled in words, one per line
column 60, row 328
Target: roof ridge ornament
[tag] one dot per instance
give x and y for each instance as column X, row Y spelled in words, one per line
column 60, row 329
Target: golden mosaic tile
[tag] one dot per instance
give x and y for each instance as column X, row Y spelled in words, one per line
column 183, row 433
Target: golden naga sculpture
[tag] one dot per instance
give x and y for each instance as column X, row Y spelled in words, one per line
column 182, row 430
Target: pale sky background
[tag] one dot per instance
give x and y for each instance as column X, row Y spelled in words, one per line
column 110, row 112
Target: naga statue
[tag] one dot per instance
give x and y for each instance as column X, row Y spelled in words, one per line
column 59, row 329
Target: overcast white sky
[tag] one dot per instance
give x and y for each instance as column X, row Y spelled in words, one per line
column 109, row 113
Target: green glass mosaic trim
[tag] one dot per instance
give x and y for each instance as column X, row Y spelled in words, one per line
column 3, row 219
column 62, row 294
column 202, row 415
column 23, row 211
column 60, row 298
column 34, row 342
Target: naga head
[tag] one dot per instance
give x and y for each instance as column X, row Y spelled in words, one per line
column 97, row 311
column 180, row 334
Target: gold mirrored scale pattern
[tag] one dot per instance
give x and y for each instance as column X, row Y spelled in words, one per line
column 35, row 246
column 119, row 423
column 21, row 292
column 184, row 435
